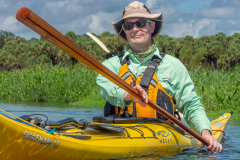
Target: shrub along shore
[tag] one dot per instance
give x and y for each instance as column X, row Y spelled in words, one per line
column 44, row 83
column 219, row 90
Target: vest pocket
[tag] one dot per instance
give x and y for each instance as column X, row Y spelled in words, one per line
column 164, row 102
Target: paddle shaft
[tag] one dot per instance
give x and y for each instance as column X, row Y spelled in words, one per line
column 37, row 24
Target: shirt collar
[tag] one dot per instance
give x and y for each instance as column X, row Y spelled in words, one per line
column 156, row 53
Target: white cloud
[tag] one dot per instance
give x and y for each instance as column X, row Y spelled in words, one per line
column 191, row 23
column 55, row 7
column 30, row 34
column 193, row 28
column 3, row 4
column 63, row 8
column 58, row 4
column 234, row 31
column 11, row 24
column 231, row 21
column 169, row 13
column 102, row 21
column 227, row 12
column 74, row 8
column 95, row 25
column 150, row 3
column 95, row 16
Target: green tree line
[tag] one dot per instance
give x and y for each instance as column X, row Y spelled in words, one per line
column 212, row 52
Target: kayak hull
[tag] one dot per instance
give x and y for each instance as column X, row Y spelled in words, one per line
column 24, row 141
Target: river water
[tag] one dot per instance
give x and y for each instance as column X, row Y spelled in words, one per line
column 58, row 111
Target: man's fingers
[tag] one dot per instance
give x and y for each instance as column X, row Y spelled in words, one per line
column 145, row 97
column 216, row 147
column 131, row 83
column 219, row 148
column 202, row 145
column 142, row 103
column 210, row 146
column 139, row 89
column 142, row 92
column 213, row 147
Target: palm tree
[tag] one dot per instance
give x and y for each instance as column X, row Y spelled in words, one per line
column 50, row 50
column 205, row 39
column 214, row 53
column 189, row 39
column 234, row 55
column 236, row 36
column 63, row 56
column 3, row 36
column 73, row 37
column 162, row 46
column 223, row 61
column 21, row 40
column 201, row 55
column 22, row 60
column 220, row 34
column 20, row 48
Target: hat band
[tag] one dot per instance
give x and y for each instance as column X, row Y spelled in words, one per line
column 135, row 11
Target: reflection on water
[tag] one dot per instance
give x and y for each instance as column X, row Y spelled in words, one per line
column 58, row 111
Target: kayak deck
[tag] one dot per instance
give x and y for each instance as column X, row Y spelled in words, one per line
column 101, row 141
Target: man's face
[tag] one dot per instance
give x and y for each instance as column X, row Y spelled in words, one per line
column 139, row 35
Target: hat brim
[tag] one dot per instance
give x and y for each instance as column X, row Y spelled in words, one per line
column 157, row 18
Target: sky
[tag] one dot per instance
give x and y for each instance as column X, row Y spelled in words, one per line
column 181, row 17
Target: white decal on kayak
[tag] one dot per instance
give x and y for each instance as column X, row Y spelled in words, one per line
column 55, row 144
column 40, row 139
column 219, row 124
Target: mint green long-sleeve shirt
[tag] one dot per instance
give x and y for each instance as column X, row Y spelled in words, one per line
column 174, row 78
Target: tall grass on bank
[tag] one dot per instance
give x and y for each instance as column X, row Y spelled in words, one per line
column 219, row 90
column 44, row 83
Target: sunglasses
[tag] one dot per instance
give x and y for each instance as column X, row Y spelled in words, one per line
column 140, row 23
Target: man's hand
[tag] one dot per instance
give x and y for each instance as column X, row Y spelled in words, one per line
column 213, row 146
column 141, row 91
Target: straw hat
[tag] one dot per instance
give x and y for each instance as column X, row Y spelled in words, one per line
column 138, row 9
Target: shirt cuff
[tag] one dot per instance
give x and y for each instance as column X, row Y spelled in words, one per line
column 206, row 129
column 120, row 100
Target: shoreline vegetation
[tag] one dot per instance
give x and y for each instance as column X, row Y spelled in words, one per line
column 219, row 90
column 36, row 70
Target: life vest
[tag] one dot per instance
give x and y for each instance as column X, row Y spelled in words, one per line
column 149, row 82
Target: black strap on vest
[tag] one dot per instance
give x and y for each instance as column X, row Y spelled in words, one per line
column 150, row 70
column 126, row 60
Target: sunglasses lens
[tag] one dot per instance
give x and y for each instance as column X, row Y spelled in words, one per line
column 140, row 23
column 128, row 26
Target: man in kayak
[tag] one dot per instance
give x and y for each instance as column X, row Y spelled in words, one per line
column 155, row 75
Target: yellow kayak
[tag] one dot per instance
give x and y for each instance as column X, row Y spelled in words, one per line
column 105, row 138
